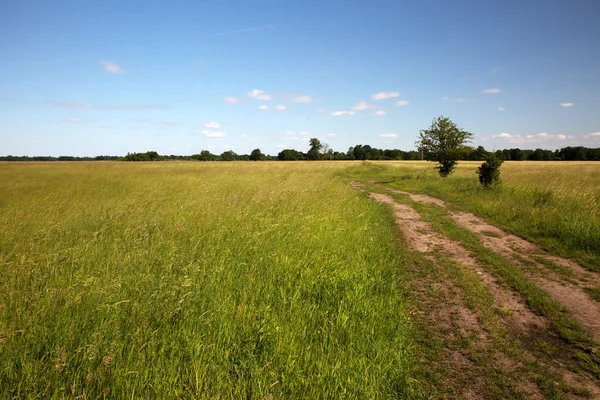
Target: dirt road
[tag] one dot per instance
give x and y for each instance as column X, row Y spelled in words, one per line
column 530, row 333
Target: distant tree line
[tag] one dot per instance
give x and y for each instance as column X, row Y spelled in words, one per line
column 321, row 151
column 578, row 153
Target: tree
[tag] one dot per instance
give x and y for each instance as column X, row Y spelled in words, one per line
column 204, row 155
column 228, row 156
column 359, row 152
column 315, row 149
column 489, row 171
column 478, row 154
column 290, row 155
column 257, row 155
column 443, row 142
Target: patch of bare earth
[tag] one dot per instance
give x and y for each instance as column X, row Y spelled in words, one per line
column 452, row 316
column 422, row 198
column 521, row 322
column 570, row 294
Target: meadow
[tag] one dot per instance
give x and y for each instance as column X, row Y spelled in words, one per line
column 230, row 280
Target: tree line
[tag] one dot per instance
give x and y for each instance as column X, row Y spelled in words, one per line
column 358, row 152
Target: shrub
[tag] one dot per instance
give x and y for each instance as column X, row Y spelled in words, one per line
column 489, row 171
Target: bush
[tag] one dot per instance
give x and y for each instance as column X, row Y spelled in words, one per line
column 489, row 171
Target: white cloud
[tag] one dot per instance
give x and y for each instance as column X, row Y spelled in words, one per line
column 279, row 107
column 388, row 135
column 212, row 125
column 402, row 103
column 321, row 110
column 209, row 134
column 259, row 95
column 566, row 104
column 496, row 69
column 291, row 135
column 232, row 100
column 491, row 91
column 594, row 135
column 361, row 105
column 342, row 113
column 303, row 99
column 112, row 68
column 379, row 113
column 532, row 138
column 501, row 109
column 458, row 100
column 73, row 120
column 384, row 95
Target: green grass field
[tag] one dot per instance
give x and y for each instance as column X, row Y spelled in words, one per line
column 231, row 280
column 197, row 279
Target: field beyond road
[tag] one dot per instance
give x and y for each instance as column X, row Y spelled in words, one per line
column 298, row 280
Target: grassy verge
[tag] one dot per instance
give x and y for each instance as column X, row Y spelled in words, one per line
column 198, row 280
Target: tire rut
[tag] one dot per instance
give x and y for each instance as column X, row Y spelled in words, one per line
column 422, row 238
column 521, row 322
column 571, row 295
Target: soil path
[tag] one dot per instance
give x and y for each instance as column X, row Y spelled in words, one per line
column 455, row 317
column 521, row 322
column 569, row 293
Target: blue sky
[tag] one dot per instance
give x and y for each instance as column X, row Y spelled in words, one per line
column 111, row 77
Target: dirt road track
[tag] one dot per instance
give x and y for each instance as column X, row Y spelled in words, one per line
column 521, row 322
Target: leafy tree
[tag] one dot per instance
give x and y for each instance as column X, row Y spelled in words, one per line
column 204, row 155
column 478, row 154
column 489, row 171
column 443, row 142
column 315, row 144
column 540, row 155
column 393, row 154
column 315, row 149
column 359, row 152
column 228, row 156
column 147, row 156
column 257, row 155
column 517, row 154
column 290, row 155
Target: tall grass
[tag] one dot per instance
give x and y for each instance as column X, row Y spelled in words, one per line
column 555, row 204
column 202, row 280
